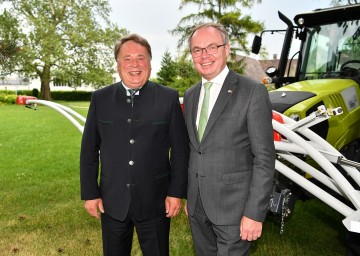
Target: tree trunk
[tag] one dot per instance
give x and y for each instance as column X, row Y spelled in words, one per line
column 45, row 83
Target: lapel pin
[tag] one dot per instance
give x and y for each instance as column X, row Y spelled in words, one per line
column 230, row 91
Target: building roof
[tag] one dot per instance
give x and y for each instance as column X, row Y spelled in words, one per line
column 256, row 68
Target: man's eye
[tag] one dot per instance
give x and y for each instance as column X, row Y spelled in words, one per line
column 212, row 47
column 197, row 50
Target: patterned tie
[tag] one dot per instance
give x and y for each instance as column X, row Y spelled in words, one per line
column 204, row 110
column 132, row 95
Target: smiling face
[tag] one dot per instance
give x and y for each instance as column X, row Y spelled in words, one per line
column 209, row 65
column 133, row 64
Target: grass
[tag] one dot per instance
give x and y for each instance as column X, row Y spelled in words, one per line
column 41, row 213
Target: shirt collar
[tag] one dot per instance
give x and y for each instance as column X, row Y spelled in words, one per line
column 220, row 78
column 127, row 89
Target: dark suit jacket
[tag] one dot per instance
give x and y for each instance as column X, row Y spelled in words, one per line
column 133, row 144
column 233, row 167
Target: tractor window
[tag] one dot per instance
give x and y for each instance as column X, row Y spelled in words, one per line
column 328, row 48
column 318, row 54
column 349, row 49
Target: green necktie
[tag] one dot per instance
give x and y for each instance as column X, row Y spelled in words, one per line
column 204, row 110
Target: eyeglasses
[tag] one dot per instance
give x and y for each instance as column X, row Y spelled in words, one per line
column 212, row 49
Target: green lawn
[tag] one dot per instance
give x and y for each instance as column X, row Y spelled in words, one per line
column 41, row 212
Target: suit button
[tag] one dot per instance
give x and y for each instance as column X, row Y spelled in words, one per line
column 131, row 185
column 129, row 120
column 196, row 175
column 200, row 152
column 132, row 141
column 128, row 101
column 131, row 162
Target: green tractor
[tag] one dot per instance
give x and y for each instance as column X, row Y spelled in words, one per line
column 325, row 70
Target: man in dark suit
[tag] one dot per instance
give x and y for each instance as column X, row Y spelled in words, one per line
column 232, row 154
column 136, row 130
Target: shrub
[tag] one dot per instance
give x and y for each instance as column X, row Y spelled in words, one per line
column 7, row 98
column 71, row 96
column 56, row 95
column 35, row 92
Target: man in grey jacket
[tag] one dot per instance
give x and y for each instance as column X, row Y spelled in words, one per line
column 232, row 158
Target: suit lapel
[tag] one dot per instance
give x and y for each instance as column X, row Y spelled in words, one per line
column 194, row 109
column 227, row 90
column 191, row 107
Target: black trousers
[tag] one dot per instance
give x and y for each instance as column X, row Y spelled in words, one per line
column 153, row 235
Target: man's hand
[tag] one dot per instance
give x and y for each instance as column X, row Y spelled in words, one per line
column 250, row 229
column 185, row 209
column 172, row 206
column 92, row 207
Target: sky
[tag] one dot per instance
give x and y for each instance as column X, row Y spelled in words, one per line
column 153, row 19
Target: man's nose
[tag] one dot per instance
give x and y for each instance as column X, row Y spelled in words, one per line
column 134, row 63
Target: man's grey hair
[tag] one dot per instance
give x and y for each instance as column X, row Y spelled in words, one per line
column 217, row 26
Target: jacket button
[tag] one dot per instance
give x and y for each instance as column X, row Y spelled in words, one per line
column 132, row 141
column 131, row 162
column 129, row 120
column 131, row 185
column 128, row 101
column 196, row 175
column 200, row 152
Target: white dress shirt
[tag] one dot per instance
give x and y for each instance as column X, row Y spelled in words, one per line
column 218, row 82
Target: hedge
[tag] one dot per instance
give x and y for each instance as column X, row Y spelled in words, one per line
column 71, row 96
column 9, row 97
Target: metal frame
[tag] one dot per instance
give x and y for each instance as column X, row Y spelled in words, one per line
column 65, row 111
column 325, row 156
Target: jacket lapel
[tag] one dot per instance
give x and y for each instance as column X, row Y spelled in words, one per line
column 227, row 90
column 194, row 110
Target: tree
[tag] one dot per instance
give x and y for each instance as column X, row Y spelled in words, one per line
column 167, row 72
column 344, row 2
column 178, row 74
column 226, row 12
column 6, row 51
column 70, row 41
column 186, row 76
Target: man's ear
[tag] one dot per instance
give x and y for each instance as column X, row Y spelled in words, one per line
column 227, row 49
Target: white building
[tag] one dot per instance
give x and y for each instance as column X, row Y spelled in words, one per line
column 16, row 83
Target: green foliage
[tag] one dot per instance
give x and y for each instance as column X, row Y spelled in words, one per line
column 178, row 74
column 19, row 92
column 229, row 14
column 35, row 92
column 9, row 97
column 168, row 70
column 71, row 95
column 187, row 75
column 12, row 92
column 70, row 41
